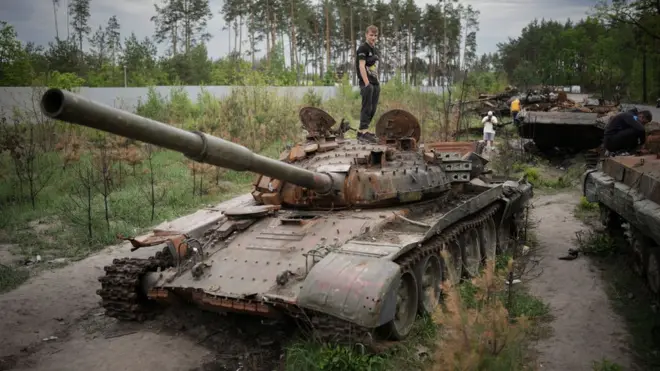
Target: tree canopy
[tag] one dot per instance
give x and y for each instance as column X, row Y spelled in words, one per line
column 423, row 44
column 614, row 47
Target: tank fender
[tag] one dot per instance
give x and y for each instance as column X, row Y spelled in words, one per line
column 589, row 186
column 354, row 288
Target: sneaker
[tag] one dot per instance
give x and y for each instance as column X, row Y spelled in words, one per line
column 367, row 137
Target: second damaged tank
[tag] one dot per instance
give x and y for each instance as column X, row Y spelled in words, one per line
column 345, row 234
column 566, row 125
column 574, row 131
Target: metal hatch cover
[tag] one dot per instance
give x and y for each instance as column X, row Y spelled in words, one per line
column 316, row 121
column 397, row 124
column 250, row 211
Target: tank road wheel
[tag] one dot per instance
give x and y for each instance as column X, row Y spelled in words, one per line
column 407, row 299
column 471, row 248
column 653, row 270
column 455, row 262
column 488, row 240
column 429, row 275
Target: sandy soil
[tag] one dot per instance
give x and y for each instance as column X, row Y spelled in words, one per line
column 585, row 328
column 62, row 303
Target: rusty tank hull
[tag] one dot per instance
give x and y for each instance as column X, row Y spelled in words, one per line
column 345, row 234
column 627, row 190
column 576, row 131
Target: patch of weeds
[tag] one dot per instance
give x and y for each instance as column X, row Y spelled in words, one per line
column 596, row 244
column 538, row 181
column 525, row 304
column 586, row 211
column 412, row 353
column 606, row 365
column 478, row 331
column 519, row 303
column 11, row 277
column 316, row 357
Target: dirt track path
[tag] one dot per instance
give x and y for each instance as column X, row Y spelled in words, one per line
column 63, row 303
column 585, row 328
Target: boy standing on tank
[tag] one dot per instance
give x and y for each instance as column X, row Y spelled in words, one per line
column 366, row 64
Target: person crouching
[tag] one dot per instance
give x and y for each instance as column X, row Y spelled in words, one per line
column 626, row 132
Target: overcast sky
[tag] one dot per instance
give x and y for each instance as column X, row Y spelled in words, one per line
column 499, row 19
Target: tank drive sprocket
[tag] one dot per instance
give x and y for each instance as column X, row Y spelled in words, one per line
column 121, row 293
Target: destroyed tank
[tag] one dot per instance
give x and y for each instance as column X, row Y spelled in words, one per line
column 344, row 234
column 627, row 190
column 573, row 131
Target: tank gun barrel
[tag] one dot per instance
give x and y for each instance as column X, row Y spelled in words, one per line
column 72, row 108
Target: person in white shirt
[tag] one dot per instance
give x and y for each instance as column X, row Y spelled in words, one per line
column 489, row 131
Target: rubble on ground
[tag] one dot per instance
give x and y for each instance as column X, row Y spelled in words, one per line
column 545, row 99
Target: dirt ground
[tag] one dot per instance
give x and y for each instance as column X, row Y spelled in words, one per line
column 54, row 322
column 585, row 328
column 63, row 304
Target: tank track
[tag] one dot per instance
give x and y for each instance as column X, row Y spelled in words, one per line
column 120, row 287
column 334, row 330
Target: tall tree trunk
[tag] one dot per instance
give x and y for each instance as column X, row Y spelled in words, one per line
column 57, row 30
column 292, row 44
column 327, row 34
column 353, row 48
column 644, row 85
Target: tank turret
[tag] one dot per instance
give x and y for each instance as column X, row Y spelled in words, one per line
column 324, row 172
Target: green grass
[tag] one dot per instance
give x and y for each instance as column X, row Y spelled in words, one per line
column 414, row 353
column 606, row 365
column 586, row 211
column 57, row 226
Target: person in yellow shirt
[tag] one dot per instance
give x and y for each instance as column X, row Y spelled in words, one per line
column 515, row 109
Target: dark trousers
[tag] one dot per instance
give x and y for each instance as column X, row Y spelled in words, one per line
column 370, row 95
column 625, row 140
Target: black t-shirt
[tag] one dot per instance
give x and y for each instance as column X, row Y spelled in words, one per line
column 621, row 121
column 370, row 55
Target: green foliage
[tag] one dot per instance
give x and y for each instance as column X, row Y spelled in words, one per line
column 67, row 81
column 604, row 53
column 534, row 177
column 313, row 357
column 587, row 211
column 320, row 49
column 522, row 303
column 585, row 205
column 606, row 365
column 596, row 244
column 11, row 277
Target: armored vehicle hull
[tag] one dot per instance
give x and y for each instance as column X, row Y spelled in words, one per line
column 346, row 234
column 346, row 265
column 576, row 131
column 627, row 189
